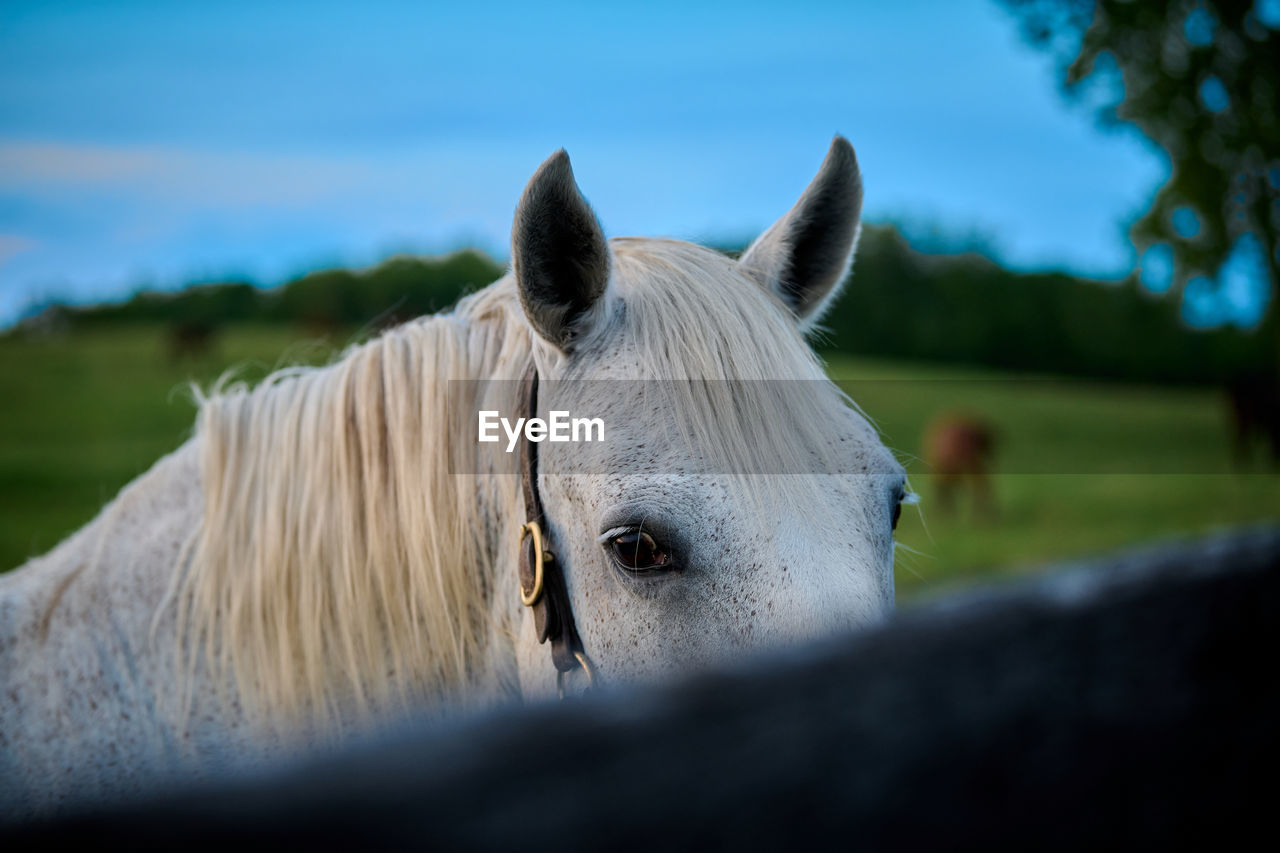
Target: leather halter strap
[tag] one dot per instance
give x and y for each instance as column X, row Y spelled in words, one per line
column 542, row 586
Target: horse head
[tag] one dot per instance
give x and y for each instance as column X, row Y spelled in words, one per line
column 739, row 500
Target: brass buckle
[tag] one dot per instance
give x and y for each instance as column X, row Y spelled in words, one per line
column 539, row 558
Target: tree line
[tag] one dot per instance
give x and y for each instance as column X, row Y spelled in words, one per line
column 901, row 303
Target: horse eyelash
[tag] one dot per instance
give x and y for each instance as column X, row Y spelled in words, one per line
column 612, row 533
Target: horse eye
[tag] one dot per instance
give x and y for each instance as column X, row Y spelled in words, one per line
column 901, row 498
column 636, row 551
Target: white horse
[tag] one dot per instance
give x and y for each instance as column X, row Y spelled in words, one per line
column 307, row 562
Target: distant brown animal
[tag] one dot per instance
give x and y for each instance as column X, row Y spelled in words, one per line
column 1253, row 404
column 190, row 339
column 958, row 449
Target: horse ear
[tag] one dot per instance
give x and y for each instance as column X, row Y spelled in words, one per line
column 558, row 253
column 806, row 254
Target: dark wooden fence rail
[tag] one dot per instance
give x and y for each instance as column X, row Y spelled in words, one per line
column 1128, row 700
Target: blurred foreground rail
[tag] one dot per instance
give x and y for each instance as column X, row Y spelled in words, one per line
column 1125, row 700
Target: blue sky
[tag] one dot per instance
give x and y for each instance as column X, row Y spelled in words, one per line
column 158, row 143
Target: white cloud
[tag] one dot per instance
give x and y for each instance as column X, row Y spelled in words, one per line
column 184, row 175
column 12, row 245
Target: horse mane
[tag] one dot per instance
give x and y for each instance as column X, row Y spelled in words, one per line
column 339, row 563
column 752, row 399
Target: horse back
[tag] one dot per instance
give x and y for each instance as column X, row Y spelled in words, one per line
column 84, row 681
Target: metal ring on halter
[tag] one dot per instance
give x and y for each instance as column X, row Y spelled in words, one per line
column 585, row 664
column 539, row 557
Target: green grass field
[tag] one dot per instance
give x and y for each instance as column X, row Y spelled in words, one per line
column 1084, row 467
